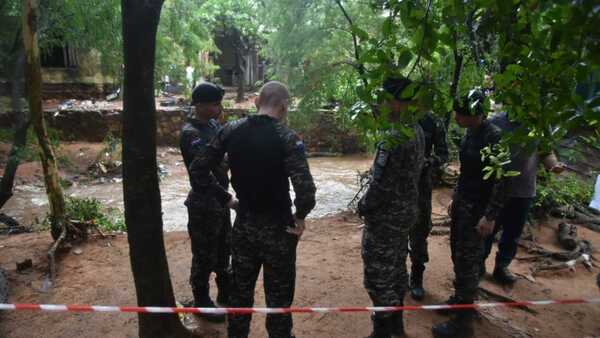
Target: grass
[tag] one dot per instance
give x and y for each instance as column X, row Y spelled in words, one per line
column 91, row 210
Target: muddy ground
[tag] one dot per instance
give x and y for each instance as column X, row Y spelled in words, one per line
column 329, row 274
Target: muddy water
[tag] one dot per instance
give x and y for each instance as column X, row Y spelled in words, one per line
column 335, row 178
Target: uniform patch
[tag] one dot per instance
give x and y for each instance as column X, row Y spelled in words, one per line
column 197, row 142
column 300, row 146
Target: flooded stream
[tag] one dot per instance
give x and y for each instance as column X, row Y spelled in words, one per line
column 335, row 177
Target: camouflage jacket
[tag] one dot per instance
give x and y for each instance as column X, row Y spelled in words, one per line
column 395, row 177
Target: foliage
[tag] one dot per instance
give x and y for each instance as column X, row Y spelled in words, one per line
column 185, row 34
column 497, row 158
column 564, row 190
column 535, row 53
column 91, row 210
column 31, row 151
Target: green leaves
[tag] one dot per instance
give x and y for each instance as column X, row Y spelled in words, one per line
column 497, row 159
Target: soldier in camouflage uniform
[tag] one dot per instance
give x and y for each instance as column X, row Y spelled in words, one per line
column 263, row 154
column 208, row 219
column 476, row 203
column 435, row 140
column 390, row 210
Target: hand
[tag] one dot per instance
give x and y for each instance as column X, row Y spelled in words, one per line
column 558, row 169
column 485, row 227
column 298, row 230
column 233, row 203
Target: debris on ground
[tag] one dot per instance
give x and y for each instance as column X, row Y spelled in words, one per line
column 24, row 265
column 567, row 236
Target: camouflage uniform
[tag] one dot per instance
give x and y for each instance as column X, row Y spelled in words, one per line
column 209, row 223
column 435, row 138
column 264, row 155
column 474, row 198
column 390, row 210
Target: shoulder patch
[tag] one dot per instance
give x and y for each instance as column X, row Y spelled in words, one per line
column 300, row 146
column 197, row 142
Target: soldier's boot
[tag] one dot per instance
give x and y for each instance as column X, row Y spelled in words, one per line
column 459, row 326
column 451, row 301
column 417, row 292
column 202, row 299
column 397, row 324
column 503, row 276
column 382, row 326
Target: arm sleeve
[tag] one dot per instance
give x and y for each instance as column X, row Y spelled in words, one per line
column 207, row 157
column 296, row 168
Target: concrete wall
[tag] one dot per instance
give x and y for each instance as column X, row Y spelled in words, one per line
column 95, row 125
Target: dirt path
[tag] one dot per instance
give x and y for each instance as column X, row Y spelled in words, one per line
column 329, row 274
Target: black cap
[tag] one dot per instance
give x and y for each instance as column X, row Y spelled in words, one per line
column 396, row 85
column 473, row 103
column 207, row 92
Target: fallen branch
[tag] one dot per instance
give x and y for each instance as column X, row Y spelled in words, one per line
column 583, row 248
column 52, row 253
column 584, row 258
column 442, row 221
column 505, row 299
column 508, row 327
column 439, row 231
column 9, row 221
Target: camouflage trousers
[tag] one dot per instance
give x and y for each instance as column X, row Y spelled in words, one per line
column 384, row 251
column 419, row 254
column 262, row 241
column 209, row 231
column 467, row 248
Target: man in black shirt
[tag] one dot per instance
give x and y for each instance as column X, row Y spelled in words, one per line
column 264, row 155
column 475, row 205
column 208, row 219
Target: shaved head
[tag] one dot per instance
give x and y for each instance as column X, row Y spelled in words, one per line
column 273, row 97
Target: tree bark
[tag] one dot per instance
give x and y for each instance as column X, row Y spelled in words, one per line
column 241, row 77
column 33, row 79
column 21, row 122
column 143, row 214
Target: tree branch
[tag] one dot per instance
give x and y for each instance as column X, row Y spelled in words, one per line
column 360, row 67
column 458, row 62
column 422, row 40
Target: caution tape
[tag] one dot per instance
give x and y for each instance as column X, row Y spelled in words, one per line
column 242, row 311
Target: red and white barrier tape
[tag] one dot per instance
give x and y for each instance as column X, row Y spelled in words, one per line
column 241, row 311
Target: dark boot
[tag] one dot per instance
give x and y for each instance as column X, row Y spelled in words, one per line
column 202, row 299
column 397, row 324
column 382, row 326
column 503, row 276
column 223, row 286
column 451, row 301
column 459, row 326
column 417, row 292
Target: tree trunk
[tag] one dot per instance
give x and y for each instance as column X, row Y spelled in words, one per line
column 21, row 124
column 140, row 181
column 241, row 70
column 33, row 79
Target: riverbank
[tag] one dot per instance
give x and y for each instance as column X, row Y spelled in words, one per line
column 329, row 274
column 335, row 177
